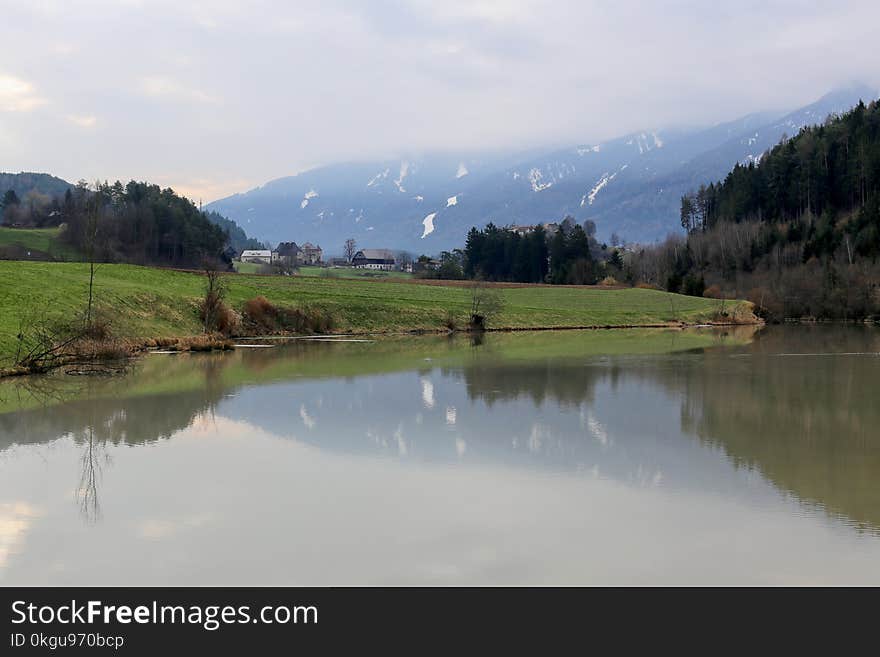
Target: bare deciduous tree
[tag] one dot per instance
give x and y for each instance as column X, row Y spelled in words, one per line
column 486, row 304
column 349, row 249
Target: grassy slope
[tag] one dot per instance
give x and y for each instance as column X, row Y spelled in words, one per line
column 145, row 302
column 44, row 240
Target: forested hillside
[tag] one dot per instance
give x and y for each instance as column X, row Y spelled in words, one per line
column 28, row 182
column 140, row 223
column 136, row 222
column 238, row 239
column 798, row 233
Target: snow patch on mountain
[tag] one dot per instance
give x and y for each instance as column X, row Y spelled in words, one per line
column 462, row 170
column 583, row 150
column 378, row 177
column 587, row 199
column 307, row 197
column 536, row 180
column 404, row 169
column 452, row 200
column 428, row 223
column 419, row 198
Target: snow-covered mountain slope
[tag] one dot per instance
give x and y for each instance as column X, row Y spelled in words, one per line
column 630, row 186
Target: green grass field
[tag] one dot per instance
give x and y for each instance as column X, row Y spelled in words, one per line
column 37, row 240
column 144, row 302
column 247, row 267
column 329, row 272
column 347, row 272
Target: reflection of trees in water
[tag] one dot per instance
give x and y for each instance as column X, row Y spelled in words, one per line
column 93, row 423
column 809, row 424
column 130, row 421
column 550, row 380
column 87, row 491
column 810, row 427
column 93, row 412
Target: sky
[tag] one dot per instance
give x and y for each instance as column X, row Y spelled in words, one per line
column 215, row 97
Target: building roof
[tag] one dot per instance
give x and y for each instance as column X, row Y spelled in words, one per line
column 375, row 254
column 287, row 249
column 256, row 253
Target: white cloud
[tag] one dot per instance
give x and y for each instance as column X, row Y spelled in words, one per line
column 17, row 95
column 240, row 96
column 157, row 86
column 82, row 121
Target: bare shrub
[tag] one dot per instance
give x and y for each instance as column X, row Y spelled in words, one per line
column 261, row 313
column 308, row 319
column 713, row 292
column 212, row 306
column 486, row 304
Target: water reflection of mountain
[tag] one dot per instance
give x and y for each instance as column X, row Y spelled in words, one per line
column 706, row 420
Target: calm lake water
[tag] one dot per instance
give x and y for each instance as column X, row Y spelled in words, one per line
column 578, row 457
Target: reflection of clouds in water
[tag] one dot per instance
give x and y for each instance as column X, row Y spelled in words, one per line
column 647, row 477
column 401, row 443
column 307, row 419
column 376, row 439
column 540, row 434
column 15, row 520
column 427, row 392
column 451, row 414
column 158, row 528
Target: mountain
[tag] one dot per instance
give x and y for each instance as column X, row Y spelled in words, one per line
column 630, row 186
column 24, row 183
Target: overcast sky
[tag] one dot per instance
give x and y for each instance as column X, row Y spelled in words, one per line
column 217, row 96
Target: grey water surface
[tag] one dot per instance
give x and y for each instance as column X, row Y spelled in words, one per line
column 571, row 457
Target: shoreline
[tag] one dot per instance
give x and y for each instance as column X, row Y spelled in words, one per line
column 204, row 343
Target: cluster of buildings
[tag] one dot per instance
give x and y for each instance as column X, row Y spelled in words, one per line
column 307, row 254
column 551, row 228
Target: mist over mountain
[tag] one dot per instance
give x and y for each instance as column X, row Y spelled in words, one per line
column 630, row 186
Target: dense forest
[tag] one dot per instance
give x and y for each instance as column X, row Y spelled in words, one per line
column 136, row 222
column 798, row 233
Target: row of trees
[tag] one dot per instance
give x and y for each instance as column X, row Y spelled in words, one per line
column 569, row 254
